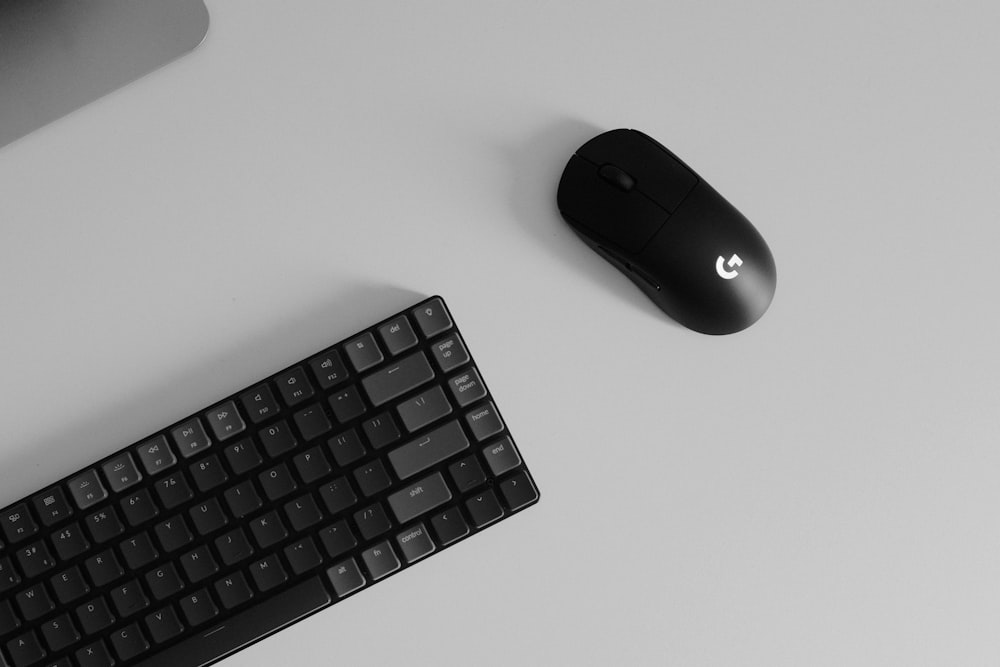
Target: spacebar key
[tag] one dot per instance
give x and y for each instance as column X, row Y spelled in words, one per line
column 243, row 629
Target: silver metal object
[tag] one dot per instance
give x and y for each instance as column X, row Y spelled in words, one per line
column 58, row 55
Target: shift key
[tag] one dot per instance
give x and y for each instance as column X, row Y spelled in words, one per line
column 423, row 452
column 397, row 379
column 420, row 497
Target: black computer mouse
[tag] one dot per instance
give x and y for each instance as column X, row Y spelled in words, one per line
column 645, row 211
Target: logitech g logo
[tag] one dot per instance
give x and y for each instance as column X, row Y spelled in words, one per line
column 721, row 269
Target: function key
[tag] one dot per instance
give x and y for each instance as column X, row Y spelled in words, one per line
column 17, row 523
column 121, row 472
column 156, row 455
column 397, row 334
column 52, row 506
column 363, row 352
column 259, row 403
column 450, row 352
column 190, row 437
column 294, row 386
column 87, row 489
column 225, row 420
column 328, row 369
column 432, row 317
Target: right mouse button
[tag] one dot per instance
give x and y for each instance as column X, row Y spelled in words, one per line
column 626, row 219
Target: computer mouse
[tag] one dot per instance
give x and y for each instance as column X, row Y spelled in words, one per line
column 649, row 214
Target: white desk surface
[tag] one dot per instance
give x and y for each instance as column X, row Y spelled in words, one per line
column 821, row 489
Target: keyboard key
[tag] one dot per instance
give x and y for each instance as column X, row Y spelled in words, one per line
column 294, row 386
column 246, row 627
column 398, row 378
column 372, row 521
column 198, row 608
column 198, row 565
column 104, row 568
column 380, row 560
column 9, row 621
column 268, row 574
column 303, row 556
column 467, row 473
column 414, row 543
column 208, row 517
column 432, row 317
column 70, row 542
column 259, row 403
column 346, row 448
column 163, row 625
column 173, row 534
column 337, row 539
column 450, row 353
column 347, row 404
column 484, row 508
column 94, row 616
column 501, row 456
column 129, row 642
column 242, row 456
column 208, row 473
column 9, row 577
column 155, row 455
column 381, row 430
column 87, row 489
column 449, row 526
column 467, row 387
column 138, row 551
column 484, row 421
column 17, row 523
column 104, row 525
column 128, row 599
column 69, row 585
column 25, row 650
column 302, row 513
column 337, row 495
column 312, row 465
column 518, row 490
column 419, row 497
column 139, row 508
column 190, row 438
column 34, row 602
column 372, row 478
column 277, row 482
column 94, row 655
column 35, row 559
column 345, row 577
column 52, row 506
column 423, row 409
column 328, row 369
column 243, row 500
column 277, row 439
column 423, row 452
column 312, row 422
column 225, row 421
column 121, row 472
column 268, row 530
column 59, row 633
column 164, row 581
column 233, row 590
column 397, row 334
column 234, row 547
column 173, row 490
column 363, row 352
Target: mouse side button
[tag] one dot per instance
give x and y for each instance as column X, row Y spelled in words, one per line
column 624, row 219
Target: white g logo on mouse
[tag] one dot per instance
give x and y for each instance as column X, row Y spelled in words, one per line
column 720, row 266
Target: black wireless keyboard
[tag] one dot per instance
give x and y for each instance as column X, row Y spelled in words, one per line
column 278, row 501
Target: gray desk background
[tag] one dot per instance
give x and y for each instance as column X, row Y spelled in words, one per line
column 821, row 489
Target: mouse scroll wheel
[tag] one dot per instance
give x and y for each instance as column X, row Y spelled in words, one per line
column 616, row 177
